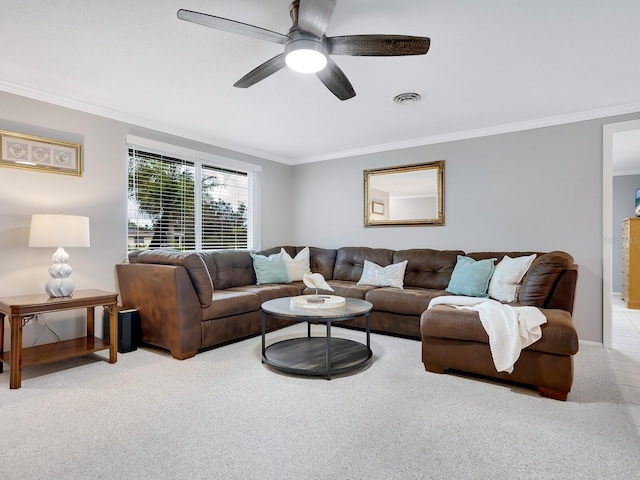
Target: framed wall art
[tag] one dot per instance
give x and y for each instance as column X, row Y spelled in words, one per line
column 20, row 150
column 377, row 207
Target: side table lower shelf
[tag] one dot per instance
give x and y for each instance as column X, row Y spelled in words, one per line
column 53, row 352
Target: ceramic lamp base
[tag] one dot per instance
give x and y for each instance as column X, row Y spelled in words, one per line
column 60, row 285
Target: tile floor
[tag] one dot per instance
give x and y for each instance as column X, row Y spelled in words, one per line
column 625, row 353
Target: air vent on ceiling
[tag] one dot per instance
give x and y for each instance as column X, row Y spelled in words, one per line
column 406, row 98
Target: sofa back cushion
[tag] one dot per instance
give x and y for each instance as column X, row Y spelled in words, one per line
column 321, row 260
column 427, row 268
column 193, row 263
column 499, row 255
column 233, row 268
column 542, row 277
column 350, row 261
column 270, row 251
column 211, row 265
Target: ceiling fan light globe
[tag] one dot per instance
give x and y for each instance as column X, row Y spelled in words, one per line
column 306, row 61
column 305, row 55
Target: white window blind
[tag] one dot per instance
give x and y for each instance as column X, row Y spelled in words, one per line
column 225, row 197
column 183, row 201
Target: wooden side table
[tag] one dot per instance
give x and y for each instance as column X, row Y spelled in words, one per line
column 21, row 309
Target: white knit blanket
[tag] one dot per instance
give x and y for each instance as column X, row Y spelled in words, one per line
column 510, row 329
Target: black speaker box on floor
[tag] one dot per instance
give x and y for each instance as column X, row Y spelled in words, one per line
column 129, row 332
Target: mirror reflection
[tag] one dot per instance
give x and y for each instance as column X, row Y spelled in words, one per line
column 405, row 195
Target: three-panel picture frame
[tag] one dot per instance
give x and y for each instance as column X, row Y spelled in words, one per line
column 20, row 150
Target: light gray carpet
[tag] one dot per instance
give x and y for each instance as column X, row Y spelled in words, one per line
column 224, row 415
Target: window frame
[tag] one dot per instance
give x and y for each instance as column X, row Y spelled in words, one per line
column 203, row 159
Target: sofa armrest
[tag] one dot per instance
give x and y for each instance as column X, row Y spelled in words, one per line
column 563, row 294
column 168, row 306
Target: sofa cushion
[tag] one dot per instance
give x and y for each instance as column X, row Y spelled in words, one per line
column 269, row 291
column 270, row 269
column 427, row 268
column 499, row 255
column 350, row 261
column 558, row 334
column 322, row 261
column 377, row 276
column 408, row 301
column 211, row 265
column 471, row 277
column 268, row 251
column 227, row 303
column 541, row 278
column 192, row 262
column 234, row 268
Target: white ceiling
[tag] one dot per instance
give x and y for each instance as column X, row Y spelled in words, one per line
column 493, row 66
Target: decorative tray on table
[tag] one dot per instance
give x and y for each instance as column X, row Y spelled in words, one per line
column 318, row 301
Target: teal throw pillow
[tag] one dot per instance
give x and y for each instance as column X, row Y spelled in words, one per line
column 270, row 269
column 471, row 277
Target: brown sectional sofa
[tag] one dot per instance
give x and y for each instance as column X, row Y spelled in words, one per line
column 190, row 301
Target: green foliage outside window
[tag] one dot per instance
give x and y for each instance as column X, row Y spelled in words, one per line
column 162, row 193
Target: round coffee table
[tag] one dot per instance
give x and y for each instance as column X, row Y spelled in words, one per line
column 320, row 356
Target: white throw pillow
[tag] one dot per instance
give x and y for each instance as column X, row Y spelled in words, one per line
column 507, row 276
column 389, row 276
column 296, row 267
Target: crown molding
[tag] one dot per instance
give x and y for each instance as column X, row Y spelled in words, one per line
column 481, row 132
column 86, row 107
column 449, row 137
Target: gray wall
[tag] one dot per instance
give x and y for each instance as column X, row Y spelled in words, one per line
column 624, row 194
column 100, row 194
column 533, row 190
column 537, row 190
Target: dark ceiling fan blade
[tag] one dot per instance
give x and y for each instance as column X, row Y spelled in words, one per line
column 232, row 26
column 336, row 81
column 314, row 15
column 378, row 45
column 263, row 71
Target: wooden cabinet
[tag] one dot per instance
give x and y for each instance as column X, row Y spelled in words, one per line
column 631, row 262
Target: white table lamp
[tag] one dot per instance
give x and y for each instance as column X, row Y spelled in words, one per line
column 59, row 231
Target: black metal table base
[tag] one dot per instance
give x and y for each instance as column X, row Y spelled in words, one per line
column 308, row 356
column 317, row 356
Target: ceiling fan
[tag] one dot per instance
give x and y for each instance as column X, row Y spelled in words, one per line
column 307, row 49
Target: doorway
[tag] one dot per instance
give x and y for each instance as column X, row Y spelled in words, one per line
column 608, row 145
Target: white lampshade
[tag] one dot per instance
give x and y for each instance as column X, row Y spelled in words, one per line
column 59, row 231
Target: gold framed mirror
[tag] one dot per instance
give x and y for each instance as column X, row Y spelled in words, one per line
column 404, row 195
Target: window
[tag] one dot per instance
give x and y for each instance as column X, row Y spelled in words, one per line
column 187, row 200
